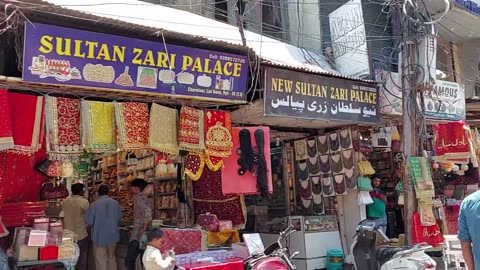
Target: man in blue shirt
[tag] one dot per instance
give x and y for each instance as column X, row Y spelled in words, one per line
column 104, row 215
column 469, row 230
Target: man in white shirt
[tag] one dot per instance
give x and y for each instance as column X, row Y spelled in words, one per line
column 152, row 258
column 74, row 208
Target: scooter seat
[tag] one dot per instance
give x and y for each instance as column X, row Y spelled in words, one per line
column 385, row 253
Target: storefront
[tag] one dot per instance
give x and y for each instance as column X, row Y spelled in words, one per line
column 446, row 168
column 133, row 109
column 314, row 120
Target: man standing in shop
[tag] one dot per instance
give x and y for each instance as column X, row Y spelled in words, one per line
column 377, row 211
column 469, row 230
column 142, row 219
column 75, row 208
column 104, row 215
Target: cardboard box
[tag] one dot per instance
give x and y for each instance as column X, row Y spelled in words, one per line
column 26, row 253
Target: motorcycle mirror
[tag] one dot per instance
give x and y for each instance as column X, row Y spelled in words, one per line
column 294, row 254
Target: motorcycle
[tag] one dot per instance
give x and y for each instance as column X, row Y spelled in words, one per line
column 365, row 257
column 274, row 256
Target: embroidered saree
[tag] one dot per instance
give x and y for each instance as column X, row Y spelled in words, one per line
column 133, row 122
column 98, row 126
column 62, row 117
column 27, row 122
column 163, row 130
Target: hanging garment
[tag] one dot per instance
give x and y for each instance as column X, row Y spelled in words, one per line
column 62, row 117
column 313, row 165
column 163, row 129
column 312, row 148
column 337, row 164
column 340, row 185
column 211, row 200
column 316, row 185
column 325, row 166
column 300, row 150
column 6, row 132
column 307, row 204
column 305, row 189
column 347, row 158
column 346, row 139
column 261, row 163
column 132, row 119
column 246, row 160
column 98, row 126
column 302, row 171
column 334, row 142
column 27, row 122
column 245, row 183
column 323, row 145
column 350, row 179
column 191, row 130
column 328, row 189
column 318, row 206
column 425, row 209
column 451, row 141
column 218, row 137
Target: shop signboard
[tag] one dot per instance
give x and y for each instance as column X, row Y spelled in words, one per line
column 311, row 96
column 446, row 101
column 58, row 55
column 349, row 39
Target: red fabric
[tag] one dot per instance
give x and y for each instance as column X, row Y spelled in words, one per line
column 184, row 241
column 231, row 264
column 451, row 138
column 21, row 178
column 216, row 145
column 425, row 234
column 232, row 182
column 27, row 115
column 208, row 198
column 68, row 123
column 6, row 133
column 133, row 121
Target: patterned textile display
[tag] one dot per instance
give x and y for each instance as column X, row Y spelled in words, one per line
column 211, row 200
column 191, row 130
column 194, row 165
column 132, row 120
column 27, row 122
column 163, row 129
column 183, row 240
column 6, row 132
column 452, row 141
column 422, row 178
column 62, row 117
column 98, row 126
column 218, row 133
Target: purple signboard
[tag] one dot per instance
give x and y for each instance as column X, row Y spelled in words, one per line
column 58, row 55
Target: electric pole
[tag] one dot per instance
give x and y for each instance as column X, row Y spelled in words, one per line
column 409, row 99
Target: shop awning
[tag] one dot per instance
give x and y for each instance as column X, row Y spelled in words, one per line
column 157, row 18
